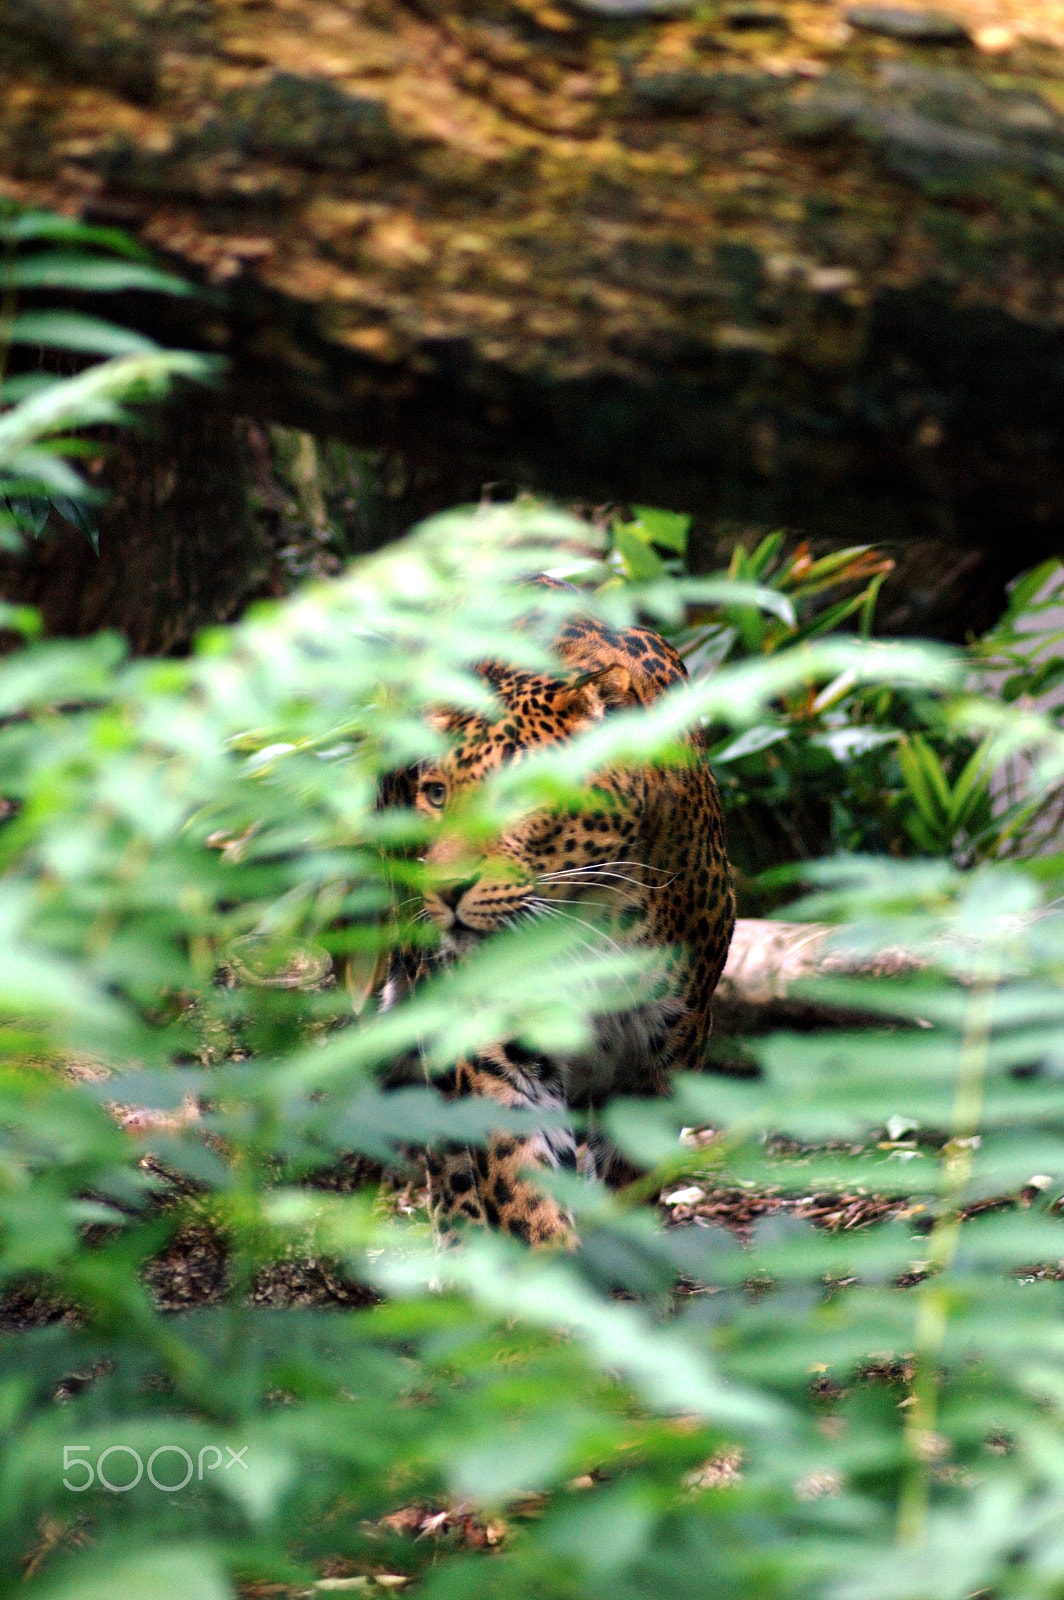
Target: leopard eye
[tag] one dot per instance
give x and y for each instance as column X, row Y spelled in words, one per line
column 434, row 794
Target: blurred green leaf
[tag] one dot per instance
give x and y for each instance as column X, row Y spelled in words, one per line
column 824, row 1358
column 641, row 562
column 97, row 274
column 184, row 1573
column 70, row 330
column 669, row 529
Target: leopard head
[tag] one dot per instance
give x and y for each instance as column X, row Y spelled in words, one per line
column 476, row 893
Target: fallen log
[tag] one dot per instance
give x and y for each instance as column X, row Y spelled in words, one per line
column 766, row 962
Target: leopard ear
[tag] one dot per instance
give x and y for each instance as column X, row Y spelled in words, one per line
column 442, row 721
column 612, row 685
column 604, row 690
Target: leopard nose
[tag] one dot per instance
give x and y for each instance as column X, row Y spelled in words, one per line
column 451, row 893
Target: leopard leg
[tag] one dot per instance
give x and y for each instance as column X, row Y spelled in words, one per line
column 454, row 1192
column 512, row 1202
column 508, row 1199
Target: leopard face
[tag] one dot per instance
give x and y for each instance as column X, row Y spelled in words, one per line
column 547, row 858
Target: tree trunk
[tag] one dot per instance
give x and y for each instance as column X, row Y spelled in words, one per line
column 177, row 547
column 773, row 264
column 202, row 512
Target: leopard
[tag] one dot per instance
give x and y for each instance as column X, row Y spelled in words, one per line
column 648, row 846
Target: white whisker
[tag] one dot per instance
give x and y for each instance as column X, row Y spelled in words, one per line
column 585, row 944
column 589, row 877
column 602, row 869
column 596, row 866
column 556, row 900
column 551, row 910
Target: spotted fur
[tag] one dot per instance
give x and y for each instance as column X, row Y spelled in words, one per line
column 647, row 852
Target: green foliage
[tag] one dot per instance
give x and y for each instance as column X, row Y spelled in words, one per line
column 869, row 1414
column 40, row 412
column 848, row 766
column 1025, row 643
column 636, row 545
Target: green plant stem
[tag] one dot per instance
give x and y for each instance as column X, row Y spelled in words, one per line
column 932, row 1315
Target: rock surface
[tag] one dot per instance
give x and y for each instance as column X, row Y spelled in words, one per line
column 766, row 264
